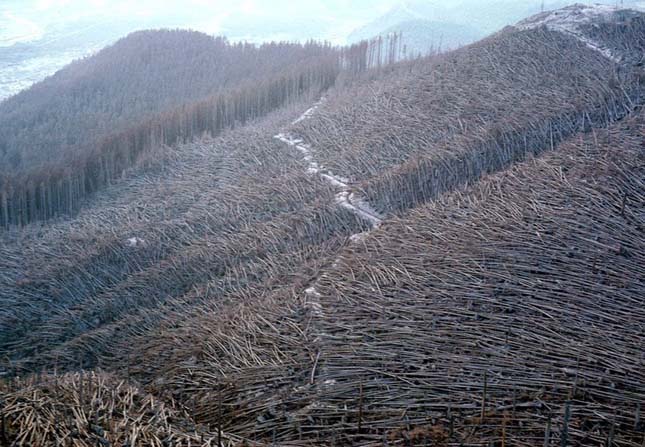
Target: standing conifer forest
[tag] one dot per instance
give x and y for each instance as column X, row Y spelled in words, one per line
column 207, row 243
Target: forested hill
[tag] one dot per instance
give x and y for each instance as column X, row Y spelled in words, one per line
column 140, row 75
column 78, row 130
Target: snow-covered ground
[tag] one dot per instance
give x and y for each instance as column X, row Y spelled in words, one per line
column 569, row 21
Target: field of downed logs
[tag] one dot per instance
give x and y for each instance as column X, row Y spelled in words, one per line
column 219, row 296
column 408, row 137
column 510, row 311
column 245, row 209
column 93, row 409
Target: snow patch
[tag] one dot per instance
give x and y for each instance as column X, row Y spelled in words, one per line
column 135, row 242
column 345, row 197
column 311, row 291
column 309, row 113
column 359, row 237
column 335, row 181
column 286, row 139
column 359, row 206
column 306, row 151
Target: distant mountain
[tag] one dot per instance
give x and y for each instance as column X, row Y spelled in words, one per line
column 432, row 24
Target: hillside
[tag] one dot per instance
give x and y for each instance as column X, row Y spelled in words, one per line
column 446, row 251
column 140, row 76
column 78, row 131
column 473, row 111
column 86, row 127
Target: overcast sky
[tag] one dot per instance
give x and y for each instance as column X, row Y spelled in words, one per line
column 25, row 20
column 333, row 20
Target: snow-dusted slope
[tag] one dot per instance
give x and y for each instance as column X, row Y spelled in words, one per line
column 570, row 20
column 570, row 17
column 345, row 198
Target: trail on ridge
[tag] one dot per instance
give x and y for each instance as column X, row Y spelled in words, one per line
column 346, row 199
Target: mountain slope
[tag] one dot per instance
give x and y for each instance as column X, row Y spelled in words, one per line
column 530, row 281
column 248, row 282
column 78, row 131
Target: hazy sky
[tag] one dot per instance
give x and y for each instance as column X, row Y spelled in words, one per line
column 25, row 20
